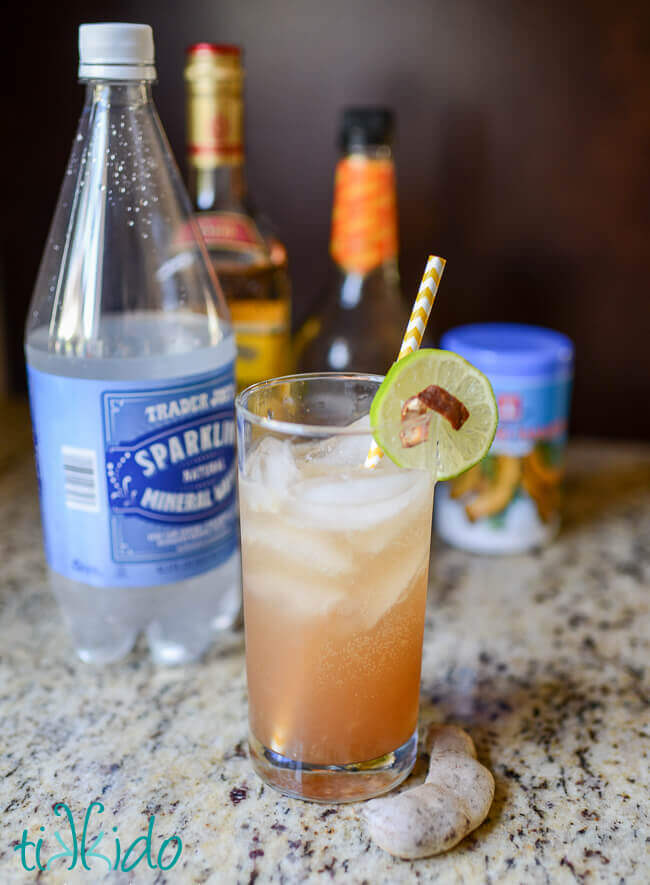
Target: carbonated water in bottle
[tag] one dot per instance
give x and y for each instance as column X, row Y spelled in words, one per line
column 130, row 359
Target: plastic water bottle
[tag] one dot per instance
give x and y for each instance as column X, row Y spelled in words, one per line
column 130, row 359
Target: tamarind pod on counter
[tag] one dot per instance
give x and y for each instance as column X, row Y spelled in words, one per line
column 453, row 801
column 418, row 823
column 446, row 738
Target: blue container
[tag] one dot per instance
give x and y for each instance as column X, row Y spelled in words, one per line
column 511, row 501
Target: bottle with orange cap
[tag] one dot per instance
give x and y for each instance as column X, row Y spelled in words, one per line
column 250, row 260
column 362, row 314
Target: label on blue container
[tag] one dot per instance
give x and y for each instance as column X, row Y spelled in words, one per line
column 510, row 501
column 137, row 479
column 530, row 410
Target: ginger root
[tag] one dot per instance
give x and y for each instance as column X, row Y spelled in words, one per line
column 453, row 801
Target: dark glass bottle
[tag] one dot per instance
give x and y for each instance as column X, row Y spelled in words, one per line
column 362, row 317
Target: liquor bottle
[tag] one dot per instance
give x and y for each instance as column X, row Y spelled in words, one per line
column 362, row 317
column 130, row 359
column 250, row 261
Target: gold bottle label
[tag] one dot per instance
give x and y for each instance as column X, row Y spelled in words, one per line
column 262, row 326
column 244, row 261
column 364, row 220
column 233, row 232
column 262, row 335
column 214, row 108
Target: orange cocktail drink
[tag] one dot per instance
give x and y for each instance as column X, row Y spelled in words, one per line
column 335, row 563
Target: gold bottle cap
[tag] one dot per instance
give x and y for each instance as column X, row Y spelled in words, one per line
column 214, row 79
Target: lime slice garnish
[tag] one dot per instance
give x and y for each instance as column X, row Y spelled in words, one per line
column 447, row 452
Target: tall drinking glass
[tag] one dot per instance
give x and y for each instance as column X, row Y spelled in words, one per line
column 335, row 562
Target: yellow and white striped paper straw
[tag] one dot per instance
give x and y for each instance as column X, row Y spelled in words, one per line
column 415, row 328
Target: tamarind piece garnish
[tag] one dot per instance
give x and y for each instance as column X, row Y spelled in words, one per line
column 415, row 430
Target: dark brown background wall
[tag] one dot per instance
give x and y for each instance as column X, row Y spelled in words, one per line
column 523, row 154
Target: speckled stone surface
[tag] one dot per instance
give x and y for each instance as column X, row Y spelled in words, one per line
column 543, row 658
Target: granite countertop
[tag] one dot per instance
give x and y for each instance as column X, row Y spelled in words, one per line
column 543, row 658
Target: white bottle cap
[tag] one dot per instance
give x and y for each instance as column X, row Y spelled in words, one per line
column 116, row 51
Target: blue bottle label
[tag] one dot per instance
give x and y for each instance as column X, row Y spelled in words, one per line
column 137, row 479
column 510, row 501
column 530, row 411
